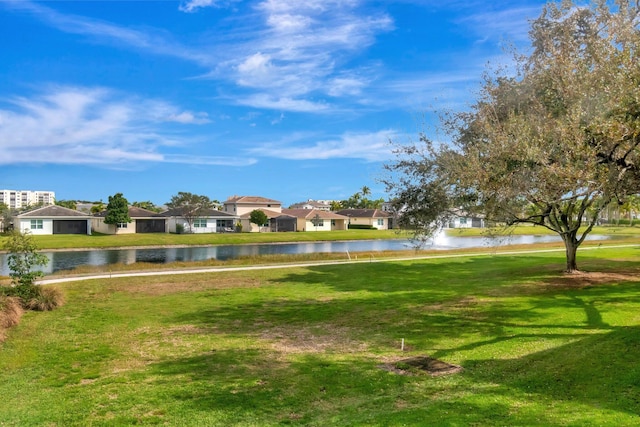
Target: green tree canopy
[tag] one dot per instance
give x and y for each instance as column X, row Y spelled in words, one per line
column 258, row 217
column 359, row 200
column 98, row 207
column 70, row 204
column 148, row 205
column 117, row 210
column 23, row 259
column 552, row 144
column 190, row 206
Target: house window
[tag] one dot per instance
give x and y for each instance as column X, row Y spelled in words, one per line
column 380, row 221
column 121, row 225
column 36, row 224
column 333, row 222
column 463, row 221
column 200, row 223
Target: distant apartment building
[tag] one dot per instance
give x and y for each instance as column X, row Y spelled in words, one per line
column 322, row 205
column 18, row 199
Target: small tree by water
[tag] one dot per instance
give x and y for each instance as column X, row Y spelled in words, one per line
column 23, row 258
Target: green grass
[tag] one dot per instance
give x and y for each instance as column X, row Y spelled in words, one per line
column 67, row 241
column 304, row 346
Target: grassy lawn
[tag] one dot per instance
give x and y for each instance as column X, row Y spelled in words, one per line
column 307, row 346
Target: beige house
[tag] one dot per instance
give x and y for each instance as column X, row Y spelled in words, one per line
column 310, row 220
column 249, row 227
column 242, row 206
column 374, row 218
column 142, row 221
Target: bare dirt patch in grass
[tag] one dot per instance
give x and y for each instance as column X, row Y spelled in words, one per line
column 421, row 365
column 188, row 284
column 582, row 279
column 297, row 340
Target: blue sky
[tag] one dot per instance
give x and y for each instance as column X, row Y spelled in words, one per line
column 286, row 99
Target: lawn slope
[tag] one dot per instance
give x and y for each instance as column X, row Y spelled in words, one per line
column 312, row 346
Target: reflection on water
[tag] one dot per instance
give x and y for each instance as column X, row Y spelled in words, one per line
column 63, row 260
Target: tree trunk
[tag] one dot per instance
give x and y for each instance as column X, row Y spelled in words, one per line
column 571, row 249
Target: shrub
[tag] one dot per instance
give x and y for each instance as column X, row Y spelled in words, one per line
column 361, row 227
column 33, row 297
column 10, row 313
column 47, row 299
column 179, row 229
column 22, row 292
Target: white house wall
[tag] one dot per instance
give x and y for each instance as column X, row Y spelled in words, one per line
column 47, row 226
column 210, row 228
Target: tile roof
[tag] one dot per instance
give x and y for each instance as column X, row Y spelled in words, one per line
column 364, row 213
column 205, row 213
column 270, row 214
column 53, row 211
column 134, row 212
column 311, row 213
column 252, row 200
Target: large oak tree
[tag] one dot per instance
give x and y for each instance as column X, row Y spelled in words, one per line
column 190, row 206
column 552, row 144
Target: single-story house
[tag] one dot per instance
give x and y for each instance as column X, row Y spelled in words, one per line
column 311, row 220
column 142, row 221
column 462, row 221
column 375, row 218
column 208, row 221
column 271, row 225
column 54, row 219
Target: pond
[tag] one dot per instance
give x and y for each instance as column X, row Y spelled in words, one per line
column 66, row 260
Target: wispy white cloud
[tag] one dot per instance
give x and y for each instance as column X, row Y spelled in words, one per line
column 193, row 5
column 299, row 45
column 284, row 51
column 282, row 103
column 509, row 24
column 367, row 146
column 188, row 117
column 289, row 55
column 157, row 42
column 78, row 125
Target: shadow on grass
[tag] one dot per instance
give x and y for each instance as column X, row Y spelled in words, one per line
column 571, row 384
column 250, row 388
column 448, row 308
column 600, row 370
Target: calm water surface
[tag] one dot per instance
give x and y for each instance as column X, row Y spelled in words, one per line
column 65, row 260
